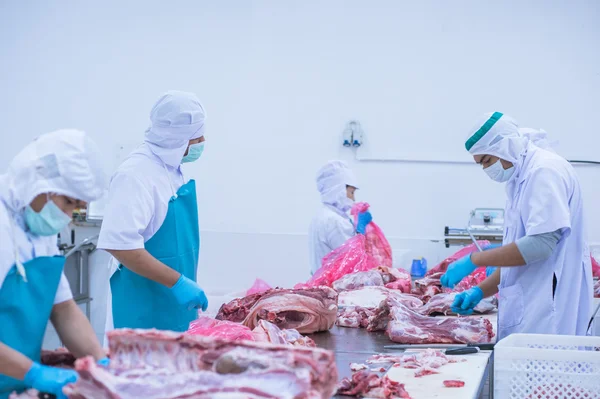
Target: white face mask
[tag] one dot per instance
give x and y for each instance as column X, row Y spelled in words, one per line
column 347, row 204
column 496, row 172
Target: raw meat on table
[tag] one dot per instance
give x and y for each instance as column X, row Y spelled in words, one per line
column 597, row 289
column 381, row 276
column 368, row 384
column 156, row 364
column 306, row 310
column 366, row 307
column 229, row 330
column 454, row 383
column 442, row 303
column 264, row 332
column 406, row 326
column 424, row 362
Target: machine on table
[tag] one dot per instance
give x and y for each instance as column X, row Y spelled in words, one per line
column 484, row 224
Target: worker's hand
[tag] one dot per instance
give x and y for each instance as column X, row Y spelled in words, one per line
column 49, row 379
column 189, row 294
column 457, row 271
column 104, row 362
column 363, row 220
column 465, row 302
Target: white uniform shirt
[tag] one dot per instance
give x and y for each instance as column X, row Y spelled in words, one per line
column 138, row 200
column 137, row 204
column 329, row 229
column 29, row 247
column 546, row 197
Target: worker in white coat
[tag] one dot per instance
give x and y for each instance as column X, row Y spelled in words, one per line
column 332, row 226
column 544, row 275
column 45, row 182
column 150, row 224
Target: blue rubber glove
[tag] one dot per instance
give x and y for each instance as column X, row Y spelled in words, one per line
column 491, row 246
column 363, row 220
column 49, row 379
column 189, row 294
column 465, row 302
column 457, row 271
column 104, row 362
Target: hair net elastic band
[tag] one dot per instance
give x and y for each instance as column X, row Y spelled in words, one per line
column 483, row 130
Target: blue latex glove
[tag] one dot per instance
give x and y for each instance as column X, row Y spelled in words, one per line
column 491, row 246
column 104, row 362
column 489, row 270
column 49, row 379
column 457, row 271
column 363, row 220
column 465, row 302
column 189, row 294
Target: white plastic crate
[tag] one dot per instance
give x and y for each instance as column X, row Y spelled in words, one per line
column 536, row 366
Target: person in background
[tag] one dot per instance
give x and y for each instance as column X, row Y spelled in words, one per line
column 150, row 225
column 332, row 226
column 544, row 278
column 45, row 182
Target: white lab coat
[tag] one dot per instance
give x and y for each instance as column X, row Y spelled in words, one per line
column 545, row 196
column 329, row 229
column 137, row 204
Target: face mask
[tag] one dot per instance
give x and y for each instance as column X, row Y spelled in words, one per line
column 346, row 204
column 49, row 221
column 496, row 172
column 194, row 152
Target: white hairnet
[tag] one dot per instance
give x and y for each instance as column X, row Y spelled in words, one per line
column 332, row 180
column 176, row 118
column 499, row 135
column 65, row 162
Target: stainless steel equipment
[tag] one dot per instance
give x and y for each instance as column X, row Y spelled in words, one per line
column 484, row 224
column 77, row 270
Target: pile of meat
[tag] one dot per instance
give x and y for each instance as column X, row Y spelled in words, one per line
column 263, row 332
column 367, row 382
column 389, row 277
column 307, row 310
column 441, row 304
column 156, row 364
column 405, row 320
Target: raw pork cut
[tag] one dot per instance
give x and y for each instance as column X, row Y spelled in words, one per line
column 228, row 330
column 269, row 332
column 382, row 276
column 597, row 289
column 307, row 310
column 408, row 327
column 363, row 307
column 442, row 303
column 454, row 383
column 156, row 364
column 367, row 384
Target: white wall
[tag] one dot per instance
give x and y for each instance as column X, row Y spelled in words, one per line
column 279, row 81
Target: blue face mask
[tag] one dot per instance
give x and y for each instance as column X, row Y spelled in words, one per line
column 49, row 221
column 194, row 152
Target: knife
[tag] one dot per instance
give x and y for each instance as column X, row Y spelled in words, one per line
column 484, row 347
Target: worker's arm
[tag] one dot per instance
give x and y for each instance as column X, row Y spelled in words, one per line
column 141, row 262
column 489, row 286
column 13, row 363
column 75, row 331
column 524, row 251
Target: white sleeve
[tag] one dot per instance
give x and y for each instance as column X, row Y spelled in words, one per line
column 129, row 210
column 545, row 205
column 64, row 290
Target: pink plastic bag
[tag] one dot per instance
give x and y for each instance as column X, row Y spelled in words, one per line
column 377, row 245
column 258, row 287
column 595, row 267
column 443, row 266
column 228, row 330
column 351, row 257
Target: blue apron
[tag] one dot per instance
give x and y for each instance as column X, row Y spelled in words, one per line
column 25, row 309
column 138, row 302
